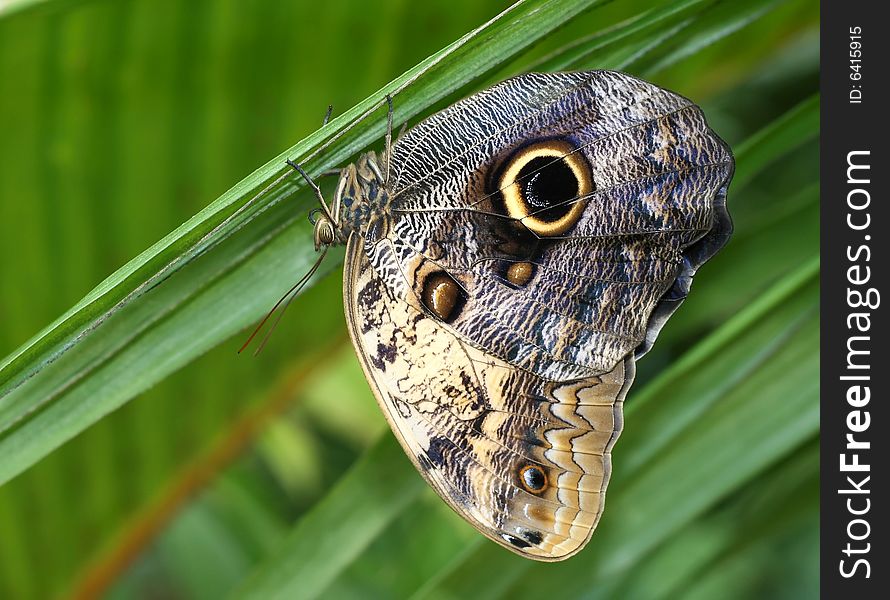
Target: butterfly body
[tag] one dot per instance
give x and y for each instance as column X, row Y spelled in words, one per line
column 365, row 202
column 507, row 261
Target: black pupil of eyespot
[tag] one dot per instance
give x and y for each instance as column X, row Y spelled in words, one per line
column 534, row 478
column 547, row 184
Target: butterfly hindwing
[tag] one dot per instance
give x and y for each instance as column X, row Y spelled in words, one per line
column 524, row 459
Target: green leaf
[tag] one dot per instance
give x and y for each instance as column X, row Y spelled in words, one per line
column 722, row 21
column 588, row 52
column 428, row 535
column 336, row 530
column 752, row 526
column 790, row 130
column 181, row 296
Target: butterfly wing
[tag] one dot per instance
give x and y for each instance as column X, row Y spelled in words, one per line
column 562, row 267
column 524, row 459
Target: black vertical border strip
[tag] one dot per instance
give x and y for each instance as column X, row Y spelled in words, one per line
column 848, row 127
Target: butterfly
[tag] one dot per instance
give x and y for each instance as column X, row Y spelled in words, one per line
column 508, row 260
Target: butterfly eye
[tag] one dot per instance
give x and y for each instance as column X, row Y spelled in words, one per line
column 545, row 186
column 533, row 478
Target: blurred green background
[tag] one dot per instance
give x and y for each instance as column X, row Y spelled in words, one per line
column 121, row 119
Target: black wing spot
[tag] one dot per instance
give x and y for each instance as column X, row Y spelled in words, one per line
column 533, row 537
column 547, row 186
column 436, row 451
column 515, row 541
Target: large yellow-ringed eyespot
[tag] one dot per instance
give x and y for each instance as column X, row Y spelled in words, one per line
column 533, row 478
column 544, row 185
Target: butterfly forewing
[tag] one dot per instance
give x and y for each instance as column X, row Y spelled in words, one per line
column 654, row 179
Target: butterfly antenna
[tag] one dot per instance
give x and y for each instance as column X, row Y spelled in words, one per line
column 285, row 300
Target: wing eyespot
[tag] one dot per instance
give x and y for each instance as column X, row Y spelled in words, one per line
column 539, row 185
column 532, row 478
column 520, row 273
column 443, row 296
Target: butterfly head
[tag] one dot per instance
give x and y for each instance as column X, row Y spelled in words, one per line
column 324, row 231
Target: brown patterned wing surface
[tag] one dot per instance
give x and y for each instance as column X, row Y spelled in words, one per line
column 524, row 459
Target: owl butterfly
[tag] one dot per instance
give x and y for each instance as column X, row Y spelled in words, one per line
column 508, row 259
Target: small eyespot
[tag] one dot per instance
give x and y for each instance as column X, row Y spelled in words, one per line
column 442, row 295
column 520, row 273
column 533, row 478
